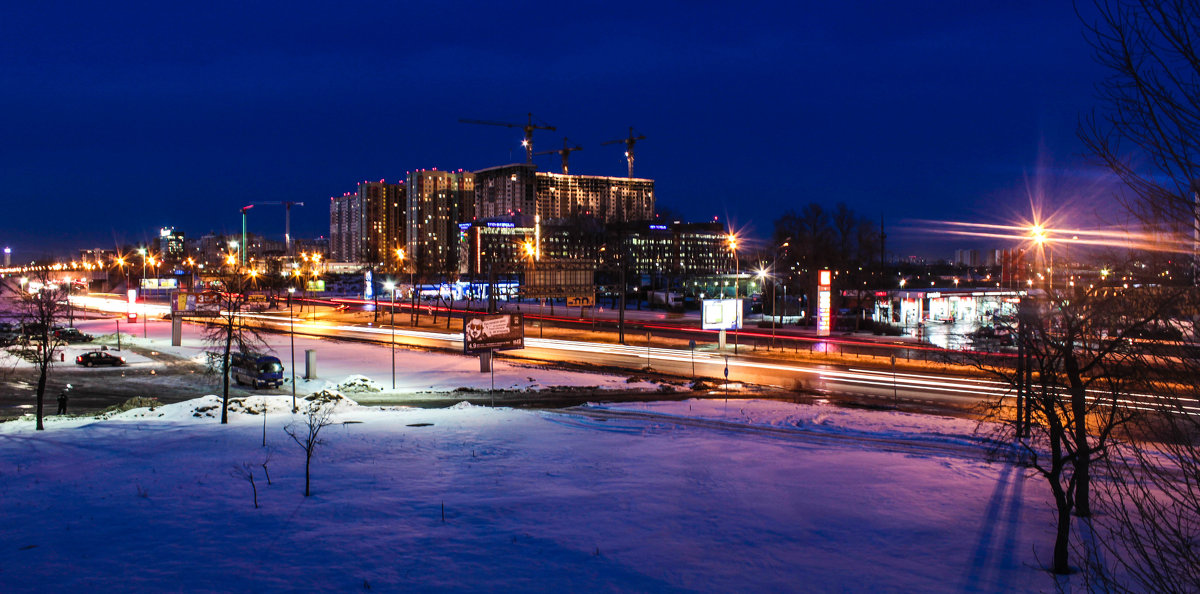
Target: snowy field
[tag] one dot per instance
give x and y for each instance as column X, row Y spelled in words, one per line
column 696, row 495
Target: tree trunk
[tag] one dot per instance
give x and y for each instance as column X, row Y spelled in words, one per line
column 225, row 375
column 307, row 464
column 1062, row 537
column 41, row 396
column 1080, row 436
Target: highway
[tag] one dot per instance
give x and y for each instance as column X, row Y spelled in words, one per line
column 886, row 384
column 760, row 368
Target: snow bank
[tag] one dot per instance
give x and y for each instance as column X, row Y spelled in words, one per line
column 359, row 383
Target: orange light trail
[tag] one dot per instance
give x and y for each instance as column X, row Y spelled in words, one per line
column 1111, row 237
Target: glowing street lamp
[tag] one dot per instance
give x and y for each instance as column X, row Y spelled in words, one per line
column 292, row 328
column 1038, row 233
column 142, row 252
column 762, row 275
column 737, row 271
column 391, row 286
column 412, row 288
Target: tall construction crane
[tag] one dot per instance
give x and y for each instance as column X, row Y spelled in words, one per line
column 565, row 151
column 629, row 142
column 528, row 127
column 287, row 220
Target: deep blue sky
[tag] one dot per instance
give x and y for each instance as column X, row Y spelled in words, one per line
column 120, row 118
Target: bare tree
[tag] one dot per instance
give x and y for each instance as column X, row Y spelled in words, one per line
column 1148, row 135
column 43, row 305
column 229, row 333
column 1150, row 524
column 245, row 472
column 1077, row 354
column 319, row 409
column 1149, row 132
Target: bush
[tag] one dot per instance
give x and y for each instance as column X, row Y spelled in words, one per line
column 132, row 403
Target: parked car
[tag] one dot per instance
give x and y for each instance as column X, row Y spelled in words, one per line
column 72, row 335
column 256, row 370
column 8, row 334
column 94, row 358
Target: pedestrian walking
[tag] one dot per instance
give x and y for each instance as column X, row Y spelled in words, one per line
column 62, row 400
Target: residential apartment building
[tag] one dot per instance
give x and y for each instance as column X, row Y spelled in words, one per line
column 606, row 199
column 505, row 191
column 367, row 226
column 437, row 202
column 517, row 190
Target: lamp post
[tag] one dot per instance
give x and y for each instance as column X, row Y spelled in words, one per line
column 762, row 280
column 775, row 283
column 142, row 251
column 737, row 271
column 391, row 286
column 191, row 263
column 531, row 253
column 121, row 268
column 292, row 329
column 400, row 256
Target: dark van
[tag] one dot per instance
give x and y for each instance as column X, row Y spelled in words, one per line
column 256, row 370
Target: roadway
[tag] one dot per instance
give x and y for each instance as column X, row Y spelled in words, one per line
column 877, row 378
column 889, row 384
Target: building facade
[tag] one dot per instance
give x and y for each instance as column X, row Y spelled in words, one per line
column 505, row 191
column 171, row 245
column 367, row 226
column 345, row 230
column 521, row 190
column 607, row 199
column 437, row 202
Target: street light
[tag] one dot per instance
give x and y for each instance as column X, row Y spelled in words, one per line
column 737, row 271
column 142, row 251
column 762, row 275
column 292, row 328
column 531, row 253
column 391, row 286
column 412, row 311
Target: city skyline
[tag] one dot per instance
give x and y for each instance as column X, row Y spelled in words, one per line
column 133, row 120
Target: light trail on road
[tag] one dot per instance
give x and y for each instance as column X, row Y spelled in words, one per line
column 874, row 383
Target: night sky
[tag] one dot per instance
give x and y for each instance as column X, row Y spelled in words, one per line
column 122, row 118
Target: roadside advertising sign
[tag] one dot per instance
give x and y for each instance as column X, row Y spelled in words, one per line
column 198, row 305
column 581, row 301
column 721, row 314
column 824, row 302
column 493, row 332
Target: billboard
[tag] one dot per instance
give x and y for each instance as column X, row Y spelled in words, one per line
column 721, row 314
column 160, row 283
column 824, row 302
column 555, row 283
column 493, row 332
column 196, row 304
column 581, row 301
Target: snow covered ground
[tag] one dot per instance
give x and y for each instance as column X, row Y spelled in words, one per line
column 752, row 496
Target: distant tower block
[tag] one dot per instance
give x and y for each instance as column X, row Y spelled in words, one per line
column 7, row 257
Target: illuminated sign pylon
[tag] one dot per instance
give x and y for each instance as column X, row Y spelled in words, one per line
column 824, row 302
